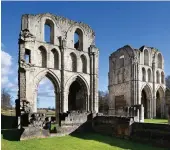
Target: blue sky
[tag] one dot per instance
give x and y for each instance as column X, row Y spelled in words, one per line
column 115, row 23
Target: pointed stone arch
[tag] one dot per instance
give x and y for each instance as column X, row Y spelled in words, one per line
column 146, row 57
column 143, row 74
column 157, row 77
column 160, row 102
column 56, row 83
column 146, row 97
column 82, row 94
column 149, row 75
column 43, row 57
column 162, row 78
column 84, row 63
column 55, row 58
column 159, row 60
column 73, row 63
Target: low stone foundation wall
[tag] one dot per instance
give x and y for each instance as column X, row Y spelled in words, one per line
column 75, row 121
column 113, row 125
column 157, row 134
column 75, row 118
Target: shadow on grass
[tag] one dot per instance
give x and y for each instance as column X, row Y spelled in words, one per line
column 11, row 134
column 9, row 129
column 8, row 122
column 113, row 141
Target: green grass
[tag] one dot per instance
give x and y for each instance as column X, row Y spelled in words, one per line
column 80, row 142
column 8, row 112
column 157, row 121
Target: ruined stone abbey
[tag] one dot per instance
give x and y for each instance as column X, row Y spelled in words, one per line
column 136, row 76
column 72, row 66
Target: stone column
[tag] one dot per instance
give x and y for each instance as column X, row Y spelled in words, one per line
column 57, row 108
column 62, row 49
column 35, row 92
column 93, row 52
column 91, row 82
column 153, row 102
column 134, row 76
column 95, row 81
column 141, row 113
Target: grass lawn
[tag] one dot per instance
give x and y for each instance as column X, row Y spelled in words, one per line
column 158, row 121
column 79, row 142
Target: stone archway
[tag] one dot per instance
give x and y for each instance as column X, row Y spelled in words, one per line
column 160, row 102
column 146, row 97
column 77, row 95
column 55, row 83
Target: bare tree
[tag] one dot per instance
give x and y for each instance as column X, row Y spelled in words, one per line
column 6, row 99
column 103, row 102
column 168, row 81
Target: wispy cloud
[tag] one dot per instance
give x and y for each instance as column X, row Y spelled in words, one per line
column 8, row 72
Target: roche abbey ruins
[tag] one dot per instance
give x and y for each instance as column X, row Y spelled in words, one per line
column 136, row 76
column 136, row 80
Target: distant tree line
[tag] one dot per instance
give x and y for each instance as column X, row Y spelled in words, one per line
column 6, row 99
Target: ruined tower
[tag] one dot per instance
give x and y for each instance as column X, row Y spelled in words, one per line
column 72, row 66
column 136, row 76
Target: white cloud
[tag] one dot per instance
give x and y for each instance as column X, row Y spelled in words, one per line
column 6, row 63
column 4, row 80
column 45, row 89
column 6, row 70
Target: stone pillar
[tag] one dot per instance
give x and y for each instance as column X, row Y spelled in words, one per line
column 134, row 76
column 57, row 107
column 34, row 109
column 93, row 52
column 62, row 49
column 141, row 113
column 153, row 102
column 94, row 78
column 91, row 82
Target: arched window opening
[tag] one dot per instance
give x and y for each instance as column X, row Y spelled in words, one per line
column 49, row 31
column 158, row 77
column 121, row 61
column 143, row 74
column 84, row 64
column 77, row 96
column 159, row 61
column 46, row 98
column 162, row 78
column 55, row 59
column 158, row 105
column 73, row 62
column 146, row 96
column 43, row 57
column 144, row 102
column 78, row 39
column 149, row 75
column 27, row 56
column 146, row 57
column 160, row 95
